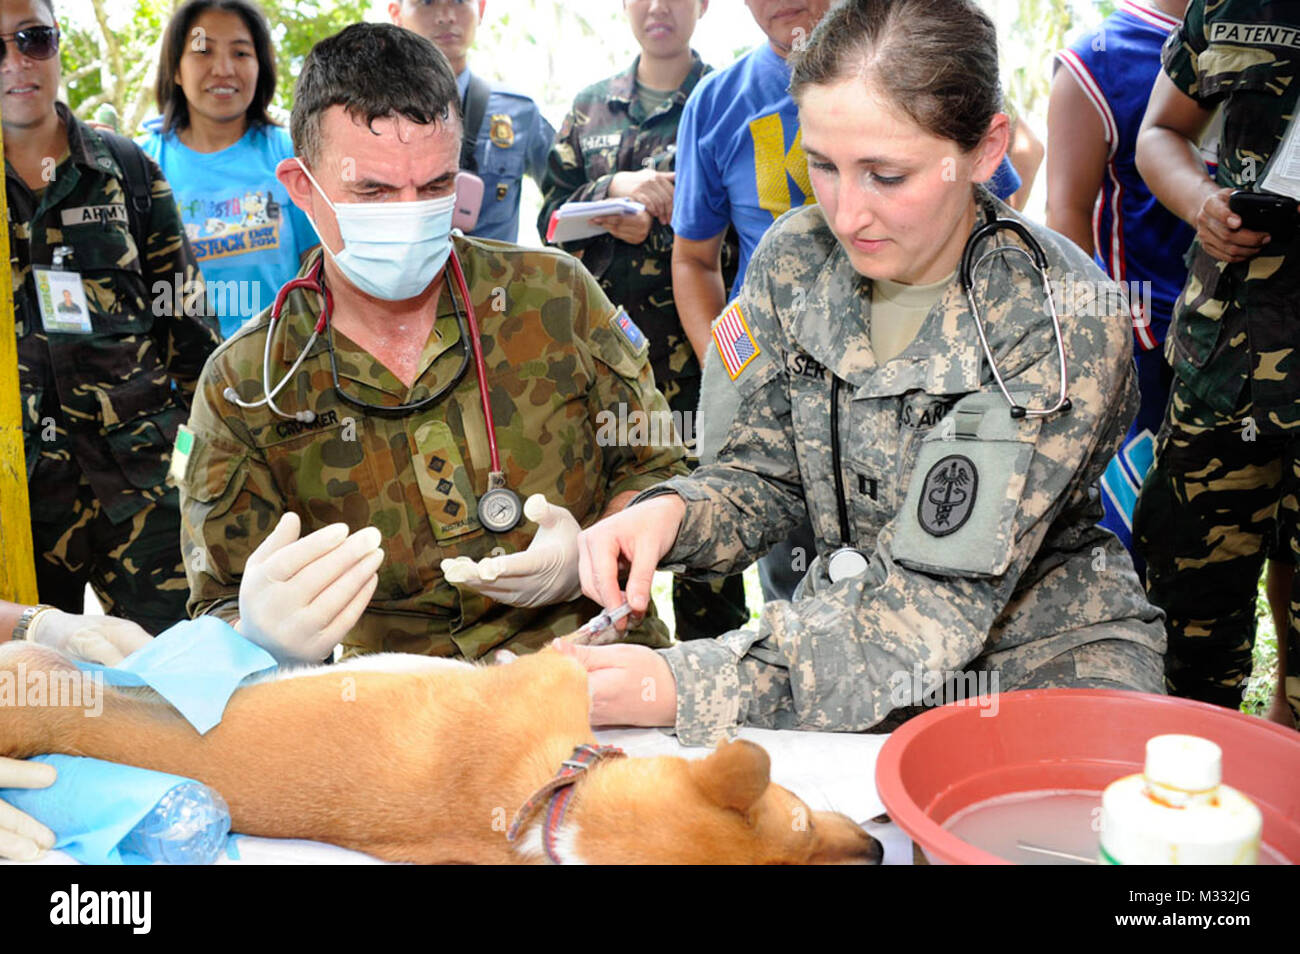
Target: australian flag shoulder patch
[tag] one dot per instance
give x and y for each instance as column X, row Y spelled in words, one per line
column 628, row 331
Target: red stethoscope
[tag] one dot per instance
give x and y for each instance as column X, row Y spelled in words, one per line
column 499, row 509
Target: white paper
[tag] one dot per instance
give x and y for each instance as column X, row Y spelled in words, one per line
column 572, row 221
column 1282, row 176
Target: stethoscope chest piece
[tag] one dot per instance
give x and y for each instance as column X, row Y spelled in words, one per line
column 499, row 510
column 844, row 563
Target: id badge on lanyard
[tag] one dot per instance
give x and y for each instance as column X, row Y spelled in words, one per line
column 61, row 298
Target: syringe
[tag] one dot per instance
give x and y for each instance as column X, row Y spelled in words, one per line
column 600, row 628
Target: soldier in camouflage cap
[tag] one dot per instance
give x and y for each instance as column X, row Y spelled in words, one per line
column 112, row 328
column 1207, row 508
column 954, row 538
column 374, row 128
column 619, row 140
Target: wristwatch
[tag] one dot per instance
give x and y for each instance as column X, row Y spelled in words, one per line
column 25, row 620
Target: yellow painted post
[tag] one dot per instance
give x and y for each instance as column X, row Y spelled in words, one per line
column 17, row 562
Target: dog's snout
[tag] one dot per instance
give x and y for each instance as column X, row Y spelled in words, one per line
column 874, row 851
column 852, row 845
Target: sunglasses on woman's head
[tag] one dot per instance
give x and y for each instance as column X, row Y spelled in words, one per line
column 37, row 43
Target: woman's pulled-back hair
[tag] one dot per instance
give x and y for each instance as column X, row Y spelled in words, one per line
column 936, row 60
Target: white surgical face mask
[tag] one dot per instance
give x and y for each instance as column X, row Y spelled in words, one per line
column 391, row 250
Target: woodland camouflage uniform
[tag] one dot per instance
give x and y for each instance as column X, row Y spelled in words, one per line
column 557, row 365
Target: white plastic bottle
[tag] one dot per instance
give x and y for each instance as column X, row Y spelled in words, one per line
column 1177, row 812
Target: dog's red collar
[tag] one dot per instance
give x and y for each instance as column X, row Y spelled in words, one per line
column 559, row 790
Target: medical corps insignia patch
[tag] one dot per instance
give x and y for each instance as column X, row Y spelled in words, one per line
column 947, row 496
column 736, row 346
column 628, row 331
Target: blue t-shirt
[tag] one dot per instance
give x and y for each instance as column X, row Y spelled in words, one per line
column 247, row 234
column 1006, row 182
column 740, row 160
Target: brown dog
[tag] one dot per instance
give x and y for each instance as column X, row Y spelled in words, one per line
column 441, row 761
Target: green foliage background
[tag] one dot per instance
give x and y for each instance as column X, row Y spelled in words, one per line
column 109, row 58
column 115, row 64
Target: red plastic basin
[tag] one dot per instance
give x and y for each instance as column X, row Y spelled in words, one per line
column 951, row 757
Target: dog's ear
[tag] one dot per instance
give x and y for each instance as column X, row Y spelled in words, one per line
column 735, row 776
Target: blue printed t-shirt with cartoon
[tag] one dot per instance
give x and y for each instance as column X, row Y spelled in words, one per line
column 740, row 158
column 247, row 234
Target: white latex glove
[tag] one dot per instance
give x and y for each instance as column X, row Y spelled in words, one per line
column 22, row 837
column 545, row 573
column 106, row 640
column 299, row 598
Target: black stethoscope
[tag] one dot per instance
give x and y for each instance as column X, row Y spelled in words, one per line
column 1033, row 251
column 499, row 509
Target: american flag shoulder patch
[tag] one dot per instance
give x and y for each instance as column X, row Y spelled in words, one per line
column 736, row 345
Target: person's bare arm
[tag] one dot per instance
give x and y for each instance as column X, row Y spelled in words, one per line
column 698, row 288
column 1171, row 164
column 1076, row 160
column 1280, row 709
column 9, row 613
column 616, row 503
column 1025, row 156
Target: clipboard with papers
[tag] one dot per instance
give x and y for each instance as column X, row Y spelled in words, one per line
column 572, row 221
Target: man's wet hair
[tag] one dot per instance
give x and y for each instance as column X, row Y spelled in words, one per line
column 372, row 70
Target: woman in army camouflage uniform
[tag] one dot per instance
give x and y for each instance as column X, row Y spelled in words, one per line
column 955, row 539
column 105, row 386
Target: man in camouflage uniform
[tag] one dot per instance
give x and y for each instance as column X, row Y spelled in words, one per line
column 619, row 139
column 1017, row 582
column 1207, row 508
column 102, row 403
column 557, row 355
